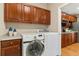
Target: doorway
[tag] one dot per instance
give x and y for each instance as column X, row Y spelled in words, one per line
column 69, row 29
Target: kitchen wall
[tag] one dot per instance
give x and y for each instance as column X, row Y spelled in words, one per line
column 26, row 26
column 55, row 22
column 41, row 5
column 2, row 25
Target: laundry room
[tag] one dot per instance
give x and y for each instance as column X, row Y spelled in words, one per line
column 30, row 29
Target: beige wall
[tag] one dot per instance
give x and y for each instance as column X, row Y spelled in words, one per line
column 54, row 17
column 26, row 26
column 2, row 26
column 41, row 5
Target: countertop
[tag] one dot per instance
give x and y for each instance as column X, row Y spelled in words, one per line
column 69, row 32
column 6, row 37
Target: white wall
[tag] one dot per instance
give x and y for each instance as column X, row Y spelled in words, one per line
column 41, row 5
column 2, row 26
column 77, row 19
column 54, row 17
column 26, row 26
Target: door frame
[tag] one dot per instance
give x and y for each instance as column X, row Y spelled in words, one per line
column 59, row 22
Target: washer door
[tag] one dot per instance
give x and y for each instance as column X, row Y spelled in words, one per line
column 35, row 48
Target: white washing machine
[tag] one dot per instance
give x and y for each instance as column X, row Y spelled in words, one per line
column 50, row 40
column 28, row 39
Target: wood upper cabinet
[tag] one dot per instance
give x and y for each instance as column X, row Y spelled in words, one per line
column 68, row 17
column 48, row 17
column 44, row 17
column 26, row 13
column 36, row 15
column 12, row 12
column 72, row 18
column 40, row 16
column 11, row 47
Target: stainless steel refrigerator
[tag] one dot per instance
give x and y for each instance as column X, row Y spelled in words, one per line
column 76, row 28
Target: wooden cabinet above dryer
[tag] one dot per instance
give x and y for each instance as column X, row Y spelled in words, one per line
column 12, row 12
column 24, row 13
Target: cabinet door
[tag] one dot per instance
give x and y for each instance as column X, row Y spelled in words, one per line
column 26, row 13
column 0, row 48
column 45, row 18
column 69, row 38
column 12, row 12
column 65, row 16
column 48, row 17
column 74, row 37
column 36, row 15
column 74, row 19
column 64, row 40
column 11, row 51
column 42, row 16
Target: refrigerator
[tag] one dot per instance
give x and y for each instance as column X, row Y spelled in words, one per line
column 76, row 28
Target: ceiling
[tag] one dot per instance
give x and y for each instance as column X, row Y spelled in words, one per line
column 71, row 8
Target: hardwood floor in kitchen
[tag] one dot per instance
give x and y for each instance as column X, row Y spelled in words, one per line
column 71, row 50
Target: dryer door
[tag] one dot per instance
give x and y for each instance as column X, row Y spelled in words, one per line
column 35, row 48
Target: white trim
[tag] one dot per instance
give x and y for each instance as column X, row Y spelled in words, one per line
column 59, row 22
column 59, row 16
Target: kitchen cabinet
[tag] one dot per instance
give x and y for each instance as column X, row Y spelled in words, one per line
column 63, row 40
column 68, row 17
column 12, row 12
column 68, row 39
column 41, row 16
column 72, row 18
column 48, row 17
column 24, row 13
column 45, row 17
column 11, row 47
column 36, row 15
column 74, row 37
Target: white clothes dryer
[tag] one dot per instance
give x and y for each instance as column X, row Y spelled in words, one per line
column 33, row 45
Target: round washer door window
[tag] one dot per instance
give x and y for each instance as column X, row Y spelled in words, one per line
column 35, row 48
